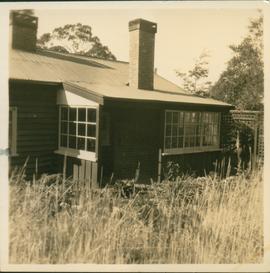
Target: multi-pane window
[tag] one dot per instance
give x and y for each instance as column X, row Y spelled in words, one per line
column 185, row 130
column 78, row 128
column 210, row 125
column 12, row 136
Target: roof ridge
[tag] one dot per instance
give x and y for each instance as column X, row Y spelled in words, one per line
column 41, row 50
column 71, row 58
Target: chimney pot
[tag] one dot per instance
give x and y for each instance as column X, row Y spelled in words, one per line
column 141, row 24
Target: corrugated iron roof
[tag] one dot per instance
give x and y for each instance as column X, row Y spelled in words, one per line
column 108, row 78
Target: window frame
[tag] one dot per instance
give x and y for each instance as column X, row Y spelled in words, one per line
column 78, row 153
column 193, row 149
column 13, row 111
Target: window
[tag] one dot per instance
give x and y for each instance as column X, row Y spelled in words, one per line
column 186, row 131
column 77, row 128
column 12, row 136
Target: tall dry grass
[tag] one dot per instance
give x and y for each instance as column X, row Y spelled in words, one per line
column 191, row 220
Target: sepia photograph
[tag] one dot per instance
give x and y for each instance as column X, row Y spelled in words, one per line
column 135, row 134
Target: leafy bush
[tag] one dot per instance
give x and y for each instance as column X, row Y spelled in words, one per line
column 172, row 171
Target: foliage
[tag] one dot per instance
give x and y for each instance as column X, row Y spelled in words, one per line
column 59, row 49
column 76, row 39
column 172, row 171
column 190, row 220
column 246, row 134
column 238, row 144
column 195, row 79
column 242, row 83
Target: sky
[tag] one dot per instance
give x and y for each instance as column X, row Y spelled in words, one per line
column 182, row 34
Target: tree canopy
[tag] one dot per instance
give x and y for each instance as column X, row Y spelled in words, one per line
column 195, row 80
column 77, row 39
column 242, row 83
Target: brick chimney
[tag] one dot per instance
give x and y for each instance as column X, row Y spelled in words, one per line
column 23, row 31
column 141, row 53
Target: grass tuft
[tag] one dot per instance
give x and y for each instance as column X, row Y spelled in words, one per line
column 190, row 220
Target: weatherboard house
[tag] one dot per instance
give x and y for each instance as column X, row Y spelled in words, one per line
column 103, row 118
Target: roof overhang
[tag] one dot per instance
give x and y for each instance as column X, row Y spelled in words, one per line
column 90, row 92
column 85, row 93
column 35, row 81
column 170, row 103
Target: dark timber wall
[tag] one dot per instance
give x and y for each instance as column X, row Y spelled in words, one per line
column 197, row 163
column 137, row 134
column 135, row 140
column 37, row 125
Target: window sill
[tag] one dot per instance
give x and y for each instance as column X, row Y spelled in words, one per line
column 191, row 151
column 77, row 154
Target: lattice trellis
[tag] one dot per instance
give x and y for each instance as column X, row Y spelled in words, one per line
column 261, row 135
column 253, row 120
